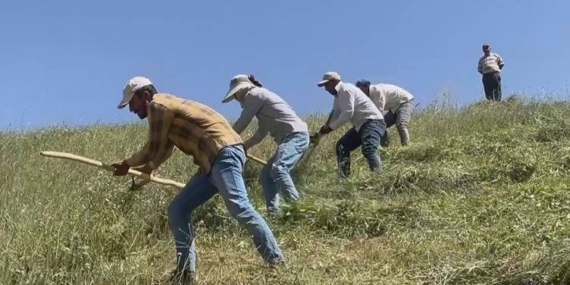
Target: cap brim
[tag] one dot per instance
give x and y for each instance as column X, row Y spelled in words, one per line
column 231, row 94
column 125, row 101
column 323, row 82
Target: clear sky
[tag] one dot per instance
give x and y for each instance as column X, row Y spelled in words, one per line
column 67, row 61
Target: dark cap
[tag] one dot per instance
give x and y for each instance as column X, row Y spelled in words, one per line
column 362, row 82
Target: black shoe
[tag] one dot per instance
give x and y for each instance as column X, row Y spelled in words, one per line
column 184, row 277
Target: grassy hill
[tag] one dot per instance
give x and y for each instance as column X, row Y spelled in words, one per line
column 480, row 197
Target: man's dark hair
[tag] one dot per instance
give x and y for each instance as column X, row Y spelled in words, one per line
column 255, row 82
column 148, row 88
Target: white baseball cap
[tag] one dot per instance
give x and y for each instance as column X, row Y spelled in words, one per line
column 331, row 75
column 131, row 87
column 237, row 83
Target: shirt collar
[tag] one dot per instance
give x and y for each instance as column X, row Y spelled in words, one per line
column 337, row 87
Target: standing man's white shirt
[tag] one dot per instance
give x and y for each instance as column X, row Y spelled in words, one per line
column 351, row 104
column 490, row 63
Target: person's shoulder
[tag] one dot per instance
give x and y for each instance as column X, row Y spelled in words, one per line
column 164, row 97
column 167, row 100
column 383, row 85
column 272, row 94
column 347, row 87
column 174, row 103
column 258, row 92
column 393, row 86
column 380, row 87
column 259, row 95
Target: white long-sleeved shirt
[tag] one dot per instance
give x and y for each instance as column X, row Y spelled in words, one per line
column 388, row 97
column 490, row 63
column 352, row 105
column 274, row 117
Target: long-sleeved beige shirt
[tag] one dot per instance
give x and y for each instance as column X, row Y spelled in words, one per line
column 388, row 97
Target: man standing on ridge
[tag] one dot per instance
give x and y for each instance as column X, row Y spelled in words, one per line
column 351, row 104
column 276, row 118
column 395, row 103
column 207, row 136
column 490, row 66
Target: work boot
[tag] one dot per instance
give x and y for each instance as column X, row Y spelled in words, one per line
column 184, row 277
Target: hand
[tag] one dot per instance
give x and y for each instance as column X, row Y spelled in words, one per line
column 325, row 130
column 121, row 168
column 144, row 169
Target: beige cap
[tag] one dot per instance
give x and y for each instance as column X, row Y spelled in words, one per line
column 331, row 75
column 237, row 83
column 131, row 87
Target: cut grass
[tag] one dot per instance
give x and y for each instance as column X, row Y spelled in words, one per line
column 480, row 197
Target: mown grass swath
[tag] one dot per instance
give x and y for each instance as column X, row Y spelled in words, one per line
column 480, row 197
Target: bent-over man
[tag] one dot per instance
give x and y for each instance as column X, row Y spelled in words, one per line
column 352, row 105
column 277, row 119
column 395, row 103
column 200, row 132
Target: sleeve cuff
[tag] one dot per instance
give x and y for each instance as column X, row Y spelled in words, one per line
column 333, row 125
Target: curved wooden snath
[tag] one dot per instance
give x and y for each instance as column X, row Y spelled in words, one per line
column 109, row 167
column 258, row 160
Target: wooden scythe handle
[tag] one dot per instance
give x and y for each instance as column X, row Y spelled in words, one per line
column 109, row 167
column 258, row 160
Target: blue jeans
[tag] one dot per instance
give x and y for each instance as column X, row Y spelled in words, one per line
column 276, row 174
column 369, row 137
column 226, row 179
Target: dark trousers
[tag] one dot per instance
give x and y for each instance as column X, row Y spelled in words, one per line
column 368, row 137
column 492, row 85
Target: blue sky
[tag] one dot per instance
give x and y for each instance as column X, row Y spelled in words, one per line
column 67, row 61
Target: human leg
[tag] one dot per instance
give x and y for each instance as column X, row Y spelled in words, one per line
column 371, row 133
column 346, row 144
column 270, row 191
column 196, row 192
column 403, row 117
column 389, row 120
column 497, row 91
column 487, row 86
column 277, row 172
column 226, row 175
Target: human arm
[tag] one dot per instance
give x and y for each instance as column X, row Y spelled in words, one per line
column 164, row 154
column 480, row 66
column 325, row 129
column 251, row 105
column 159, row 120
column 329, row 117
column 159, row 159
column 500, row 61
column 345, row 109
column 255, row 139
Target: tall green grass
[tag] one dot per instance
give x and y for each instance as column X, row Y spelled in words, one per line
column 480, row 197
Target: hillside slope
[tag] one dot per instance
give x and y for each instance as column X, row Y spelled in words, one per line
column 480, row 197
